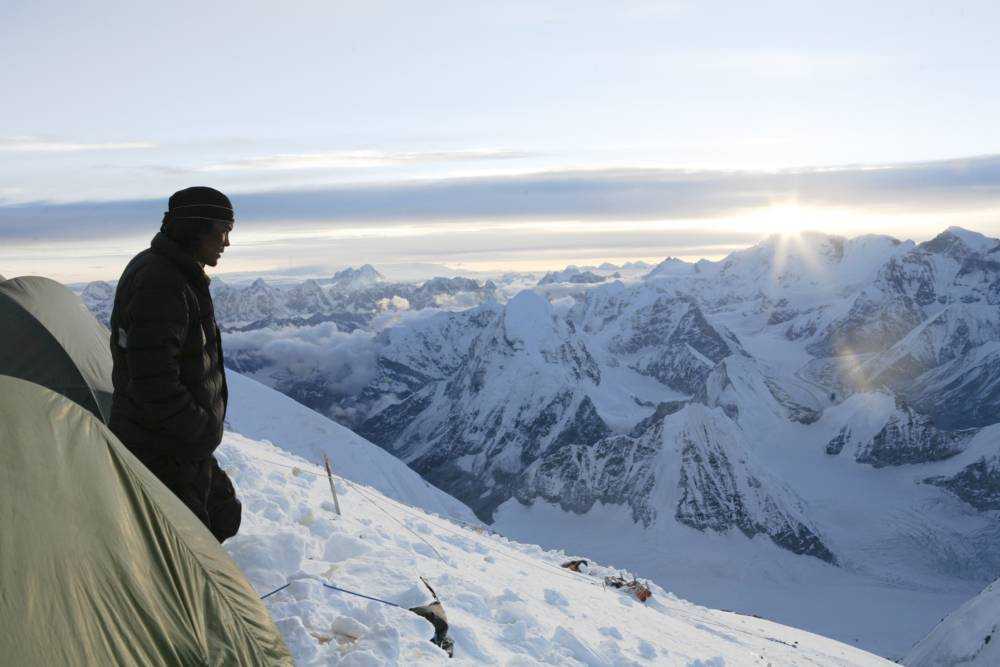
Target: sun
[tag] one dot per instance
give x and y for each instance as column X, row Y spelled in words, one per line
column 786, row 219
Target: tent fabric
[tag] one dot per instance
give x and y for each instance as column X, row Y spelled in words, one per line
column 100, row 564
column 51, row 338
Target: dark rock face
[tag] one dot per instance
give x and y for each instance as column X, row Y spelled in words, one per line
column 836, row 444
column 946, row 243
column 718, row 489
column 679, row 347
column 662, row 410
column 959, row 395
column 711, row 499
column 977, row 484
column 616, row 470
column 911, row 439
column 907, row 437
column 388, row 425
column 911, row 275
column 585, row 427
column 801, row 540
column 579, row 433
column 797, row 412
column 782, row 315
column 980, row 276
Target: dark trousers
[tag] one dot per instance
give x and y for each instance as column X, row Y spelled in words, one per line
column 205, row 488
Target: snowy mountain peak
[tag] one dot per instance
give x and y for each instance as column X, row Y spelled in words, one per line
column 571, row 274
column 99, row 297
column 528, row 321
column 638, row 265
column 672, row 266
column 97, row 291
column 350, row 278
column 959, row 242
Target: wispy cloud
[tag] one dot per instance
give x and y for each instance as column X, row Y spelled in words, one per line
column 357, row 159
column 784, row 63
column 45, row 145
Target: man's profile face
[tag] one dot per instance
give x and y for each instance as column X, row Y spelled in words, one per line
column 212, row 244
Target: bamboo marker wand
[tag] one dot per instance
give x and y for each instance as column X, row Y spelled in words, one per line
column 333, row 489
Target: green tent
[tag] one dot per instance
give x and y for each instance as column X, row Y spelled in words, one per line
column 50, row 338
column 100, row 564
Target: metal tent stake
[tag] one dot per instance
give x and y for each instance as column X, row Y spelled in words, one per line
column 333, row 489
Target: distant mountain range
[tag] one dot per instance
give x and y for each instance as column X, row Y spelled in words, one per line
column 350, row 298
column 837, row 399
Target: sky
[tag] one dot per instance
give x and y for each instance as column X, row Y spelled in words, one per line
column 491, row 136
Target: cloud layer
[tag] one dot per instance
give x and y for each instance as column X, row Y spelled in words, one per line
column 600, row 195
column 552, row 216
column 345, row 362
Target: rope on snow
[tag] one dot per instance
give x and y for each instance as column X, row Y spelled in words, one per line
column 276, row 590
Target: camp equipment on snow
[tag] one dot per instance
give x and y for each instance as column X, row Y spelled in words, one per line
column 100, row 564
column 54, row 341
column 434, row 612
column 638, row 588
column 575, row 565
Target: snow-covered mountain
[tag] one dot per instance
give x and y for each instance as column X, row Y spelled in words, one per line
column 884, row 431
column 99, row 297
column 695, row 461
column 483, row 394
column 356, row 278
column 803, row 423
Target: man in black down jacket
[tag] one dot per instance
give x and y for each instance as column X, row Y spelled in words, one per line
column 170, row 387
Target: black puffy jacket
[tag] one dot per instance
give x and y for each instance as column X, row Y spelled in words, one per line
column 170, row 387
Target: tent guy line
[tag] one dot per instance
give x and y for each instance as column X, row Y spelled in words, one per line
column 362, row 493
column 552, row 569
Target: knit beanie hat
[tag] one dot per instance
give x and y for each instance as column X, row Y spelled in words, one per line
column 190, row 212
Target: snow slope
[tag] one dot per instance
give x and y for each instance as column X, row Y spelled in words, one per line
column 507, row 603
column 966, row 637
column 262, row 413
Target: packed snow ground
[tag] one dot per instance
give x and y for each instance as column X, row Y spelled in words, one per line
column 507, row 603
